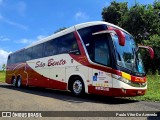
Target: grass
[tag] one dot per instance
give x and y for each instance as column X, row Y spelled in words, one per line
column 2, row 76
column 153, row 91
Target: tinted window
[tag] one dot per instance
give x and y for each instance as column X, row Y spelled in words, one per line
column 64, row 44
column 28, row 54
column 37, row 51
column 86, row 33
column 68, row 44
column 101, row 50
column 50, row 48
column 11, row 58
column 19, row 56
column 16, row 57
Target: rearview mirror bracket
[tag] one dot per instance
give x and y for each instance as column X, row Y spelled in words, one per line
column 151, row 51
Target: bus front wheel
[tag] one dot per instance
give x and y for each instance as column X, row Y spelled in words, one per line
column 77, row 87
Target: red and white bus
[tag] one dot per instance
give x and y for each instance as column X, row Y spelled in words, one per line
column 93, row 57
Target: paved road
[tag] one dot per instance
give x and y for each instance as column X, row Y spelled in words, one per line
column 38, row 99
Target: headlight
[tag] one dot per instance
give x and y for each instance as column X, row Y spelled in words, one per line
column 129, row 82
column 124, row 80
column 121, row 79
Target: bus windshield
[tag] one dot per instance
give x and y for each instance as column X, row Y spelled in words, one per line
column 128, row 56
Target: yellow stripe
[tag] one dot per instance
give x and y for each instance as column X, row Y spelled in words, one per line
column 127, row 76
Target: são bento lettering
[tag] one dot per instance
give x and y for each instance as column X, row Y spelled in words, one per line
column 50, row 62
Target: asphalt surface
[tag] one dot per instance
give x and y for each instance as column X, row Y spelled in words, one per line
column 39, row 99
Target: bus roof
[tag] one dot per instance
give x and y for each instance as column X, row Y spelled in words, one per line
column 71, row 29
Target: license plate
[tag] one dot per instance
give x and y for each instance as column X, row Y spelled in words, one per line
column 139, row 92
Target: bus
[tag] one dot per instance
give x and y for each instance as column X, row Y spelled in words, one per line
column 94, row 57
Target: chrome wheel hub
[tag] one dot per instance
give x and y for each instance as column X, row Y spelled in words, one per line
column 77, row 86
column 14, row 82
column 19, row 83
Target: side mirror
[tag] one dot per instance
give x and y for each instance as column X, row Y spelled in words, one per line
column 120, row 34
column 151, row 51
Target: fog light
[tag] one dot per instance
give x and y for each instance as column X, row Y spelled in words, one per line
column 139, row 92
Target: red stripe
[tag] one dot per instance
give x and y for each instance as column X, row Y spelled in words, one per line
column 34, row 78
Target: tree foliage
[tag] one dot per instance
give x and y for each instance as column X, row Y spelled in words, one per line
column 155, row 43
column 114, row 12
column 3, row 67
column 142, row 21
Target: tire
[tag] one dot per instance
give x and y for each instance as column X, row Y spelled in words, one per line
column 77, row 87
column 14, row 82
column 19, row 82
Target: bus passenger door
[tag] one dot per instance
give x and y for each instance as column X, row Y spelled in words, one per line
column 100, row 55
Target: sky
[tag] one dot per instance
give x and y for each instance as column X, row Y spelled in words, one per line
column 23, row 22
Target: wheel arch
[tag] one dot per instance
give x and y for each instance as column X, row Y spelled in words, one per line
column 72, row 77
column 18, row 76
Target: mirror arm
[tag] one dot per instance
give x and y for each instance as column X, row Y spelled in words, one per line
column 151, row 51
column 120, row 34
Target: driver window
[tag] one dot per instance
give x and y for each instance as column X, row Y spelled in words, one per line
column 101, row 54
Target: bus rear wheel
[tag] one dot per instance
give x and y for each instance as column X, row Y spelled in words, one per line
column 14, row 82
column 19, row 82
column 77, row 87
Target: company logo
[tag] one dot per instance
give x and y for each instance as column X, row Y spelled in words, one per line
column 51, row 62
column 21, row 114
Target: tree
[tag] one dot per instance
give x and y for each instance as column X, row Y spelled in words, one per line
column 155, row 43
column 3, row 67
column 114, row 13
column 141, row 21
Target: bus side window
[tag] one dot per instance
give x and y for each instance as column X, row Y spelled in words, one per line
column 50, row 48
column 37, row 51
column 28, row 55
column 20, row 56
column 68, row 44
column 14, row 58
